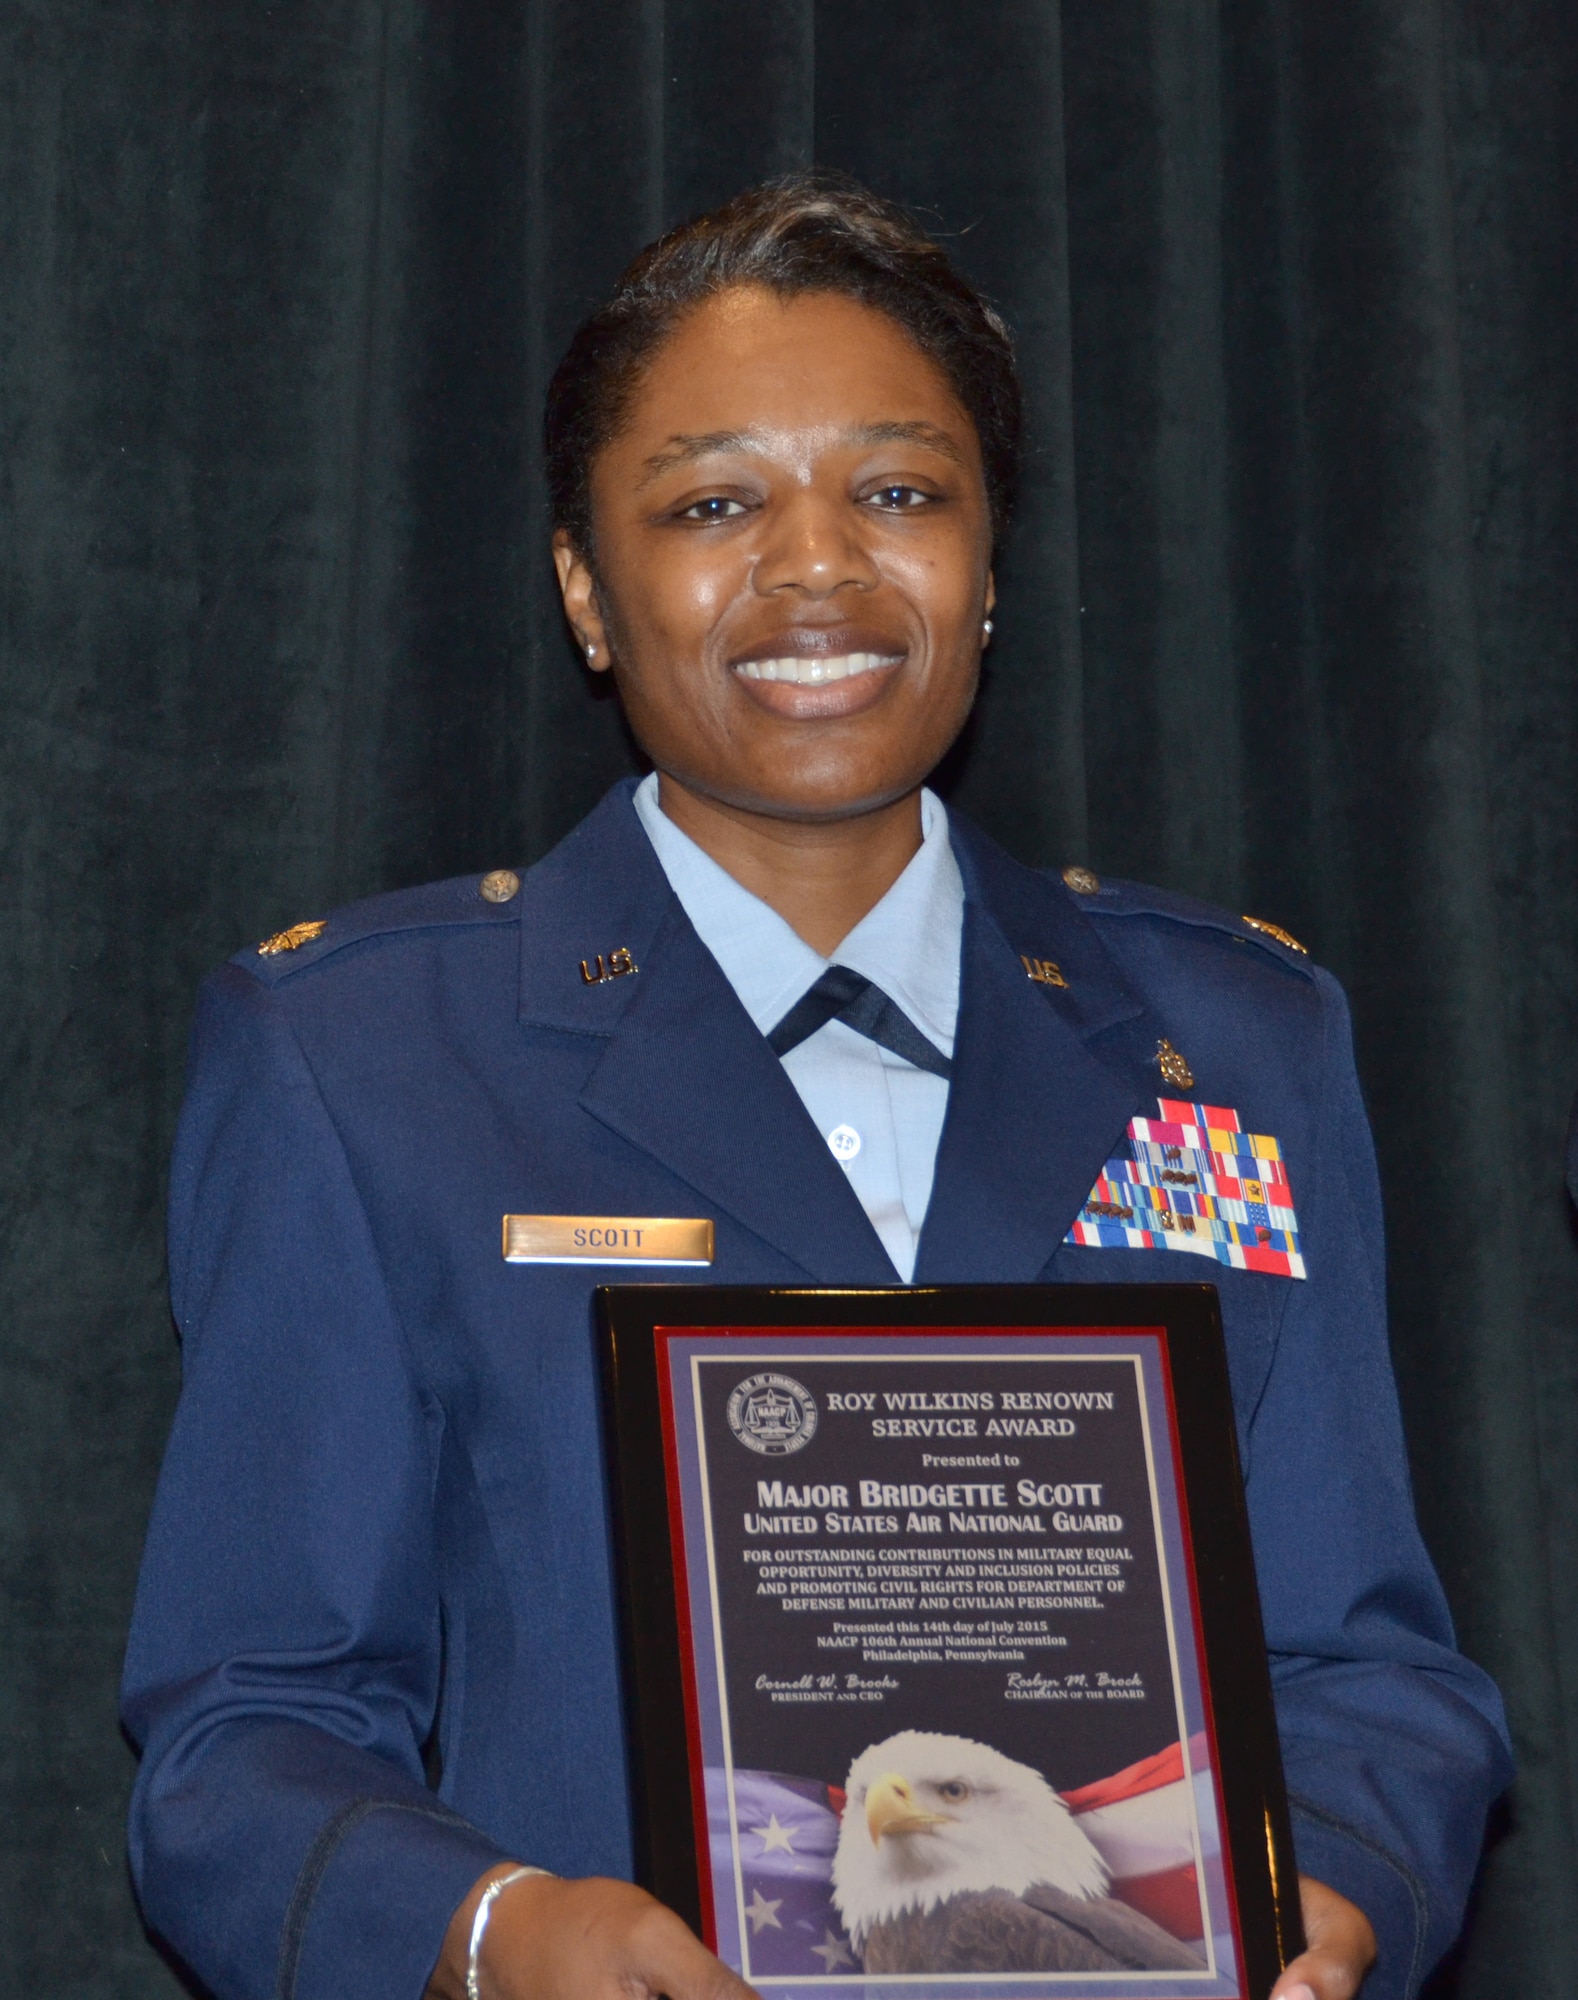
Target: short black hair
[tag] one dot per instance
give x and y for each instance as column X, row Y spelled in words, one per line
column 805, row 232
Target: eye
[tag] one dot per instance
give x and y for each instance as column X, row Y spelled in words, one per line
column 716, row 507
column 899, row 499
column 954, row 1792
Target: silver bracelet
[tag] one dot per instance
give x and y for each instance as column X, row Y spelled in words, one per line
column 479, row 1924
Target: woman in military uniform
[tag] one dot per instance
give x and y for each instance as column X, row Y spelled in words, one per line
column 780, row 987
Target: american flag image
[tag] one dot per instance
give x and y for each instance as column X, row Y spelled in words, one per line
column 1148, row 1822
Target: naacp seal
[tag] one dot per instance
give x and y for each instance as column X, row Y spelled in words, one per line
column 773, row 1414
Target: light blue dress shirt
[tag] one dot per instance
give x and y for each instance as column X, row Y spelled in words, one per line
column 881, row 1117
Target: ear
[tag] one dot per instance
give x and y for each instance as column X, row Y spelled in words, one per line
column 988, row 602
column 578, row 588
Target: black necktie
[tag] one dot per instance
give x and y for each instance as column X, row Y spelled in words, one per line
column 842, row 995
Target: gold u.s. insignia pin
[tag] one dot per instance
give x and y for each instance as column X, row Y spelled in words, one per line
column 1044, row 971
column 617, row 965
column 293, row 939
column 1173, row 1067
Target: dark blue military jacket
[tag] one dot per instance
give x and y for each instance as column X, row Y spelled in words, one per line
column 383, row 1503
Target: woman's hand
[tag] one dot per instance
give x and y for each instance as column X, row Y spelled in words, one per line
column 549, row 1939
column 1341, row 1947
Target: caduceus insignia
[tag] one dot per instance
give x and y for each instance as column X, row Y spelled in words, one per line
column 1173, row 1067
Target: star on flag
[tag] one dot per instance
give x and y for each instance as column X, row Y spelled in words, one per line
column 832, row 1951
column 763, row 1913
column 772, row 1835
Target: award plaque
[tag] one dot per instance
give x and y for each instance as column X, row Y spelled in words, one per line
column 943, row 1655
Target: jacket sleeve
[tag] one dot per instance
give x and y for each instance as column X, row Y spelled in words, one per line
column 283, row 1666
column 1394, row 1745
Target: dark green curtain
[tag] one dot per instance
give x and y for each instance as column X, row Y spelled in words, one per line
column 1287, row 622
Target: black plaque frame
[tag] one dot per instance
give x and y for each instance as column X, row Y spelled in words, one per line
column 1257, row 1837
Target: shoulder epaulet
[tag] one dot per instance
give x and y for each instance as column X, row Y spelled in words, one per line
column 463, row 899
column 1107, row 896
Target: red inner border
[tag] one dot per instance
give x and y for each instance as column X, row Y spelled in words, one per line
column 662, row 1335
column 1181, row 1496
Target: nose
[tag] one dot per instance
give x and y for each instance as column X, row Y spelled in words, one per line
column 813, row 545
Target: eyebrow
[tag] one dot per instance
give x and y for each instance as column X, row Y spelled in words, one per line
column 686, row 447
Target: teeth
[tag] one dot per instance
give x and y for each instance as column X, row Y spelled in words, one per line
column 814, row 670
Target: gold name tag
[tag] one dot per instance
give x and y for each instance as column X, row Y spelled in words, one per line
column 604, row 1239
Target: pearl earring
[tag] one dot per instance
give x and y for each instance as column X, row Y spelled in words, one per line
column 591, row 651
column 986, row 629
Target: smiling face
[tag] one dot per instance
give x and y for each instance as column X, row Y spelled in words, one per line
column 792, row 559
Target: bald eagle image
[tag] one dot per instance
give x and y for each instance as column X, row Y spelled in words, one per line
column 953, row 1858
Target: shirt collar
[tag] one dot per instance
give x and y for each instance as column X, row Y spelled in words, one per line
column 908, row 944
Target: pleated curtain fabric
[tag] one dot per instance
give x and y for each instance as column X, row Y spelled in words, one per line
column 1287, row 622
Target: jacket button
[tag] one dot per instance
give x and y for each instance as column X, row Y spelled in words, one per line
column 500, row 886
column 1081, row 881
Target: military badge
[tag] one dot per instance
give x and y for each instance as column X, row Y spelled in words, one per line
column 1190, row 1179
column 294, row 938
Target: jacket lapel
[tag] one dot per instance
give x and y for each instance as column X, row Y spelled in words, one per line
column 1046, row 1078
column 1045, row 1081
column 685, row 1075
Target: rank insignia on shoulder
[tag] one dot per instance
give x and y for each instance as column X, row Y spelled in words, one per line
column 1044, row 971
column 1276, row 931
column 1190, row 1180
column 293, row 939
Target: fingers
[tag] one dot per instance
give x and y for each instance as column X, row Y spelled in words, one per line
column 1319, row 1976
column 1341, row 1947
column 662, row 1957
column 596, row 1940
column 701, row 1977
